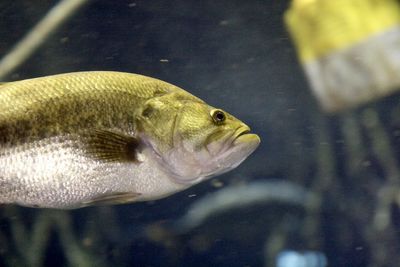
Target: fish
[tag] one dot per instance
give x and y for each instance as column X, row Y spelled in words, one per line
column 79, row 139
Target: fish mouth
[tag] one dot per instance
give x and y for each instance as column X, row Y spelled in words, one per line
column 237, row 147
column 243, row 136
column 241, row 131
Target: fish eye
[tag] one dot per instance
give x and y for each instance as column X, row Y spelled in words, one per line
column 218, row 116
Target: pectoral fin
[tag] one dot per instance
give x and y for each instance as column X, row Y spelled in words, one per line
column 111, row 146
column 112, row 199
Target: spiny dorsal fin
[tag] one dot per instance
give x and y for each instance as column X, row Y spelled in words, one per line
column 111, row 146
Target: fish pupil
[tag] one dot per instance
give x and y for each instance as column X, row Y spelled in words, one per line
column 218, row 116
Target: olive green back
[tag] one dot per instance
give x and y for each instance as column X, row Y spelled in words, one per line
column 42, row 107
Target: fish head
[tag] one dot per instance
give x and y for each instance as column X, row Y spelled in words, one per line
column 192, row 140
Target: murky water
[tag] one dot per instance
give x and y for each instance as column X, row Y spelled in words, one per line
column 321, row 190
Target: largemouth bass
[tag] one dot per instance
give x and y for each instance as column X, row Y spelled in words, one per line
column 79, row 139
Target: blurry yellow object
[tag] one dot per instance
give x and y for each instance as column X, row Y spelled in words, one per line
column 321, row 26
column 350, row 49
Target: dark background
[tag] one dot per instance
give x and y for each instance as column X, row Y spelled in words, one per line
column 234, row 54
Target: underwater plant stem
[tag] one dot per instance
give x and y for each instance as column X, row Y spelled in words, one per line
column 381, row 145
column 75, row 253
column 276, row 243
column 356, row 153
column 37, row 35
column 38, row 240
column 326, row 165
column 381, row 232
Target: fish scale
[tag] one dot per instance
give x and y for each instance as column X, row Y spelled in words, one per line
column 89, row 138
column 63, row 101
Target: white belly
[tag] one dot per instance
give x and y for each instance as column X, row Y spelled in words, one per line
column 50, row 173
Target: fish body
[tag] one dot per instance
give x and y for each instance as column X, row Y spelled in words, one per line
column 78, row 139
